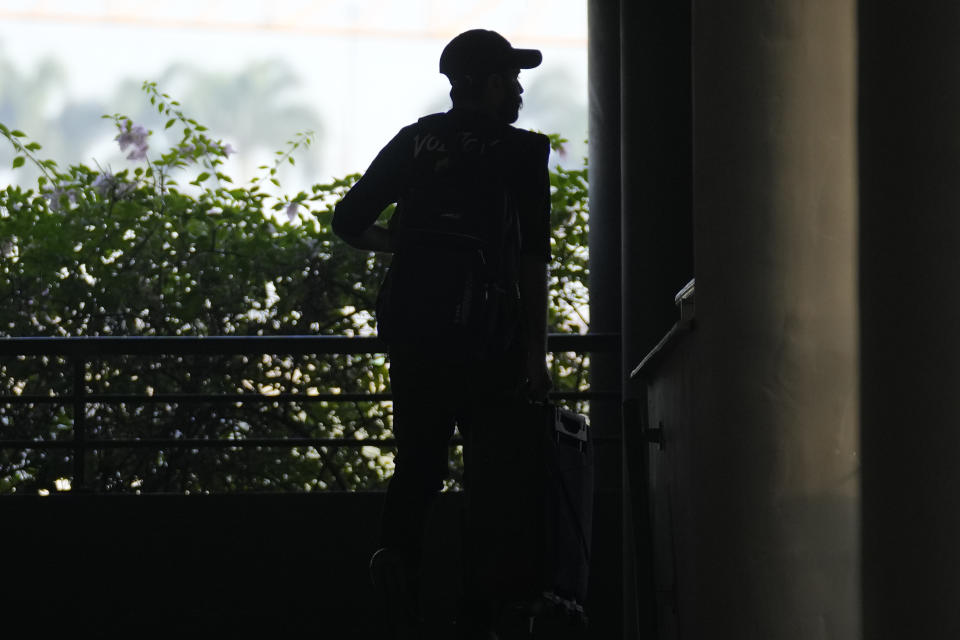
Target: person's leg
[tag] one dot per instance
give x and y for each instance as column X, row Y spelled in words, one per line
column 423, row 421
column 481, row 522
column 497, row 458
column 422, row 427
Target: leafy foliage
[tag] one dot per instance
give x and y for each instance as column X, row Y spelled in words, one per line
column 568, row 311
column 173, row 247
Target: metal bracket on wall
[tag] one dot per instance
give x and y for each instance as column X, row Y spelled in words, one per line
column 636, row 418
column 655, row 435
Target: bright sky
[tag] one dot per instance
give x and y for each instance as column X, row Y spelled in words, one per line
column 368, row 67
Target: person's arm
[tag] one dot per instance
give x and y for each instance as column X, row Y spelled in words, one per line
column 373, row 238
column 533, row 291
column 356, row 214
column 534, row 260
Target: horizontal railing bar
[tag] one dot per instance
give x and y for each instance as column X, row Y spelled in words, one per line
column 227, row 398
column 173, row 398
column 199, row 443
column 583, row 342
column 583, row 395
column 94, row 346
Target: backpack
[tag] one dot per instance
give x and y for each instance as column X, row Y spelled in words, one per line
column 452, row 289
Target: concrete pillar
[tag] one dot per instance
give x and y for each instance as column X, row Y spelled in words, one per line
column 657, row 240
column 605, row 592
column 909, row 143
column 774, row 442
column 656, row 165
column 604, row 165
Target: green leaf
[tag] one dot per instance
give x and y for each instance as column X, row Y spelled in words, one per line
column 170, row 123
column 203, row 176
column 196, row 227
column 290, row 159
column 17, row 133
column 18, row 161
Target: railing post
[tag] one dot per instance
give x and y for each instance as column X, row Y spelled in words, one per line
column 79, row 426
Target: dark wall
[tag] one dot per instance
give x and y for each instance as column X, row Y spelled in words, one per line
column 656, row 226
column 656, row 151
column 670, row 400
column 909, row 150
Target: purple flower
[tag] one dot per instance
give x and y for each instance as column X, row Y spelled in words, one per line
column 139, row 153
column 135, row 136
column 107, row 183
column 228, row 150
column 104, row 183
column 53, row 197
column 292, row 211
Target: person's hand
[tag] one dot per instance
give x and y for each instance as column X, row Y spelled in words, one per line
column 537, row 383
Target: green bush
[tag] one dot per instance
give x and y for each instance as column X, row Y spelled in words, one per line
column 175, row 247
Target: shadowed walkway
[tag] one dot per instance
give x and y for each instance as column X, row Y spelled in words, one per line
column 144, row 566
column 273, row 565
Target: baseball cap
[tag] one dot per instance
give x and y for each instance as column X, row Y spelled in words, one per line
column 483, row 51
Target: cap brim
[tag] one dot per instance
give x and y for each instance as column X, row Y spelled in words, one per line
column 527, row 58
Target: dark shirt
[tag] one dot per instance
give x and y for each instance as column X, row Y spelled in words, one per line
column 391, row 174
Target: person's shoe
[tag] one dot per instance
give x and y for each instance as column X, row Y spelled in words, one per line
column 398, row 593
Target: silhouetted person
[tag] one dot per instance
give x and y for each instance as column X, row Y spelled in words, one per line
column 463, row 310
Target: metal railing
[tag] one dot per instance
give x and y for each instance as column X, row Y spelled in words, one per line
column 79, row 351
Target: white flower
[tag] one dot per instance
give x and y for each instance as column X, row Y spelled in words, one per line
column 8, row 249
column 292, row 211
